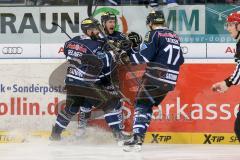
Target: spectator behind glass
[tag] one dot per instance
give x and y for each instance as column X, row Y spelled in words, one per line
column 53, row 2
column 104, row 2
column 113, row 2
column 155, row 4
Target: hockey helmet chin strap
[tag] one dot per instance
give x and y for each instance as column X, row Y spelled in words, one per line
column 238, row 35
column 94, row 37
column 150, row 27
column 105, row 29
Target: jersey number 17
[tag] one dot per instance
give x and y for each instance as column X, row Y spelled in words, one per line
column 172, row 49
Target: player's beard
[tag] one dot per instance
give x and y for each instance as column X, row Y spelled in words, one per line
column 94, row 36
column 107, row 31
column 151, row 28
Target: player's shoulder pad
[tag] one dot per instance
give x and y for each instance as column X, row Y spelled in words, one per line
column 168, row 33
column 121, row 35
column 82, row 37
column 73, row 40
column 149, row 36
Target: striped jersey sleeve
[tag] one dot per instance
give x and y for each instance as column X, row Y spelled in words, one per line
column 235, row 77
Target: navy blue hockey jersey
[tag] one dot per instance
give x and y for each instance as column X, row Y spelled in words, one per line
column 88, row 62
column 162, row 52
column 106, row 79
column 116, row 36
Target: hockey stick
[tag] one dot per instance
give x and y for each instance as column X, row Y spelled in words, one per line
column 104, row 98
column 90, row 15
column 116, row 51
column 55, row 24
column 134, row 75
column 89, row 9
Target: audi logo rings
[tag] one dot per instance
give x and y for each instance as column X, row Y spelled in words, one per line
column 12, row 50
column 184, row 49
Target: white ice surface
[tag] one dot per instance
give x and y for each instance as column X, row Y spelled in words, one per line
column 99, row 145
column 46, row 151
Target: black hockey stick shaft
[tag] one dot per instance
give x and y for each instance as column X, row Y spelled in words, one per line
column 115, row 49
column 90, row 15
column 55, row 24
column 140, row 84
column 89, row 9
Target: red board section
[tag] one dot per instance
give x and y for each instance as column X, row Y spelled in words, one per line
column 192, row 106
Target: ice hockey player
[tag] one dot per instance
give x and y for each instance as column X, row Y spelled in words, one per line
column 87, row 63
column 233, row 27
column 109, row 23
column 115, row 117
column 162, row 53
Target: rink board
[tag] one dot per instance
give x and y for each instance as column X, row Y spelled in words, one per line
column 189, row 114
column 151, row 137
column 193, row 106
column 190, row 138
column 17, row 137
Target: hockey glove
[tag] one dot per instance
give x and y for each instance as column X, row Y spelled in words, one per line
column 124, row 45
column 124, row 58
column 135, row 38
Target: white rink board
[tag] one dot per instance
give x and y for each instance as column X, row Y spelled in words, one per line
column 35, row 75
column 16, row 75
column 194, row 50
column 20, row 50
column 52, row 50
column 26, row 72
column 221, row 50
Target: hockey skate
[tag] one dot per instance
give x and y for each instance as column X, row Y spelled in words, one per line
column 82, row 124
column 134, row 144
column 55, row 135
column 121, row 137
column 81, row 131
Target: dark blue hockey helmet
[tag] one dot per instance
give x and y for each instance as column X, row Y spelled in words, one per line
column 155, row 17
column 108, row 16
column 89, row 23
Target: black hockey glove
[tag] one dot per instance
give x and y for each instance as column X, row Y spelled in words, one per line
column 135, row 38
column 124, row 58
column 124, row 45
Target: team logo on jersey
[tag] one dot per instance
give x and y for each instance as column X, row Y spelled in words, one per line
column 146, row 38
column 171, row 35
column 143, row 46
column 77, row 47
column 100, row 54
column 74, row 53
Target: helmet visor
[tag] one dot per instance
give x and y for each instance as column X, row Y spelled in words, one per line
column 230, row 24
